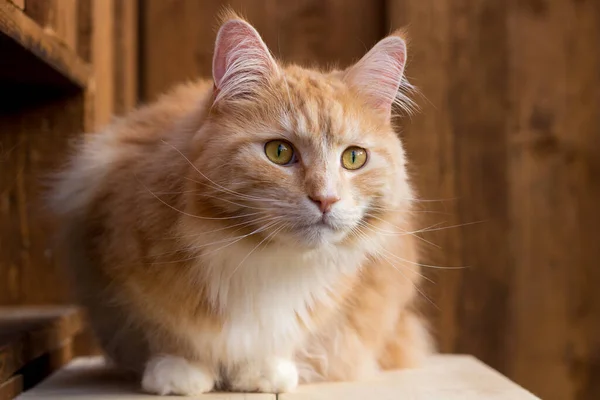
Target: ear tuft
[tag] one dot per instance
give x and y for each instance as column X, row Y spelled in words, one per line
column 379, row 76
column 242, row 62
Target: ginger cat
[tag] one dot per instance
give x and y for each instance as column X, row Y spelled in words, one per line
column 253, row 231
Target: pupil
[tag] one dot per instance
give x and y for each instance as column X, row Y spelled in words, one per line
column 279, row 150
column 353, row 156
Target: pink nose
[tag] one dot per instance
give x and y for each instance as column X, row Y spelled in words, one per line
column 324, row 203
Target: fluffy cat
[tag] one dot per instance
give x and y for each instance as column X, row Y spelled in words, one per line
column 252, row 231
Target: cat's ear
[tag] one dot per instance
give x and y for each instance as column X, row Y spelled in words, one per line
column 378, row 76
column 242, row 62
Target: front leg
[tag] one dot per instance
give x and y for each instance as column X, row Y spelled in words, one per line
column 272, row 375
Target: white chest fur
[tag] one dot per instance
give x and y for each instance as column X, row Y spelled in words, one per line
column 266, row 295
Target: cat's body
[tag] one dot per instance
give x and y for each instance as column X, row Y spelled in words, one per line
column 203, row 264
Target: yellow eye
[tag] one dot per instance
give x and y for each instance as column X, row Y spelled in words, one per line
column 354, row 157
column 280, row 152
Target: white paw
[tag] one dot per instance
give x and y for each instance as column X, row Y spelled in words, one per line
column 174, row 375
column 276, row 375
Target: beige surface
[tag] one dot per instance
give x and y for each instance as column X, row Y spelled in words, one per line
column 444, row 378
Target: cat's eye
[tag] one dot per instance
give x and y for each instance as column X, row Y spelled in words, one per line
column 354, row 158
column 280, row 152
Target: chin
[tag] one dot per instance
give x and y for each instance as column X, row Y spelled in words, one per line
column 313, row 237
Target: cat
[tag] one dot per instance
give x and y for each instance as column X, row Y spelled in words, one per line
column 252, row 231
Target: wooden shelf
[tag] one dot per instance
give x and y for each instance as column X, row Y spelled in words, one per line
column 446, row 377
column 31, row 56
column 27, row 333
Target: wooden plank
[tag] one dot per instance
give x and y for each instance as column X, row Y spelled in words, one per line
column 126, row 55
column 56, row 17
column 581, row 136
column 429, row 140
column 89, row 379
column 103, row 60
column 18, row 3
column 11, row 388
column 84, row 29
column 33, row 143
column 463, row 147
column 477, row 99
column 191, row 24
column 40, row 368
column 26, row 333
column 444, row 377
column 17, row 27
column 306, row 32
column 555, row 186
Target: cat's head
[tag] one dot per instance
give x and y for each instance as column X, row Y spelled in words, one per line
column 298, row 154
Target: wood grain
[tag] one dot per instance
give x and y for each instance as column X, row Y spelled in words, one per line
column 18, row 3
column 56, row 17
column 103, row 60
column 15, row 25
column 509, row 129
column 11, row 388
column 178, row 36
column 33, row 143
column 27, row 333
column 429, row 141
column 458, row 149
column 126, row 55
column 555, row 187
column 445, row 377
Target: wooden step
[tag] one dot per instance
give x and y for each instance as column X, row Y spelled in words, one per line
column 445, row 377
column 31, row 55
column 34, row 342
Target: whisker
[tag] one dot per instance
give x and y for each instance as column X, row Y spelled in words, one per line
column 253, row 221
column 380, row 231
column 269, row 225
column 231, row 240
column 448, row 227
column 421, row 200
column 188, row 214
column 233, row 202
column 404, row 275
column 200, row 172
column 420, row 264
column 277, row 230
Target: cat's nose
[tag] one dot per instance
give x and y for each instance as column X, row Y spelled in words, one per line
column 324, row 202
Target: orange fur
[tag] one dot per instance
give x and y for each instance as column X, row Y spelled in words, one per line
column 200, row 261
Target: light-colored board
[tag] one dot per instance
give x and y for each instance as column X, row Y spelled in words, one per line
column 444, row 377
column 88, row 378
column 31, row 36
column 447, row 377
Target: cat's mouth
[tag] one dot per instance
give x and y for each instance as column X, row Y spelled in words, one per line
column 326, row 222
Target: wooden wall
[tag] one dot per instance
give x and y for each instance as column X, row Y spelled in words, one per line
column 177, row 36
column 65, row 67
column 513, row 133
column 508, row 139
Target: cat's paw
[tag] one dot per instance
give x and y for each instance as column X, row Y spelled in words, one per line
column 174, row 375
column 277, row 375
